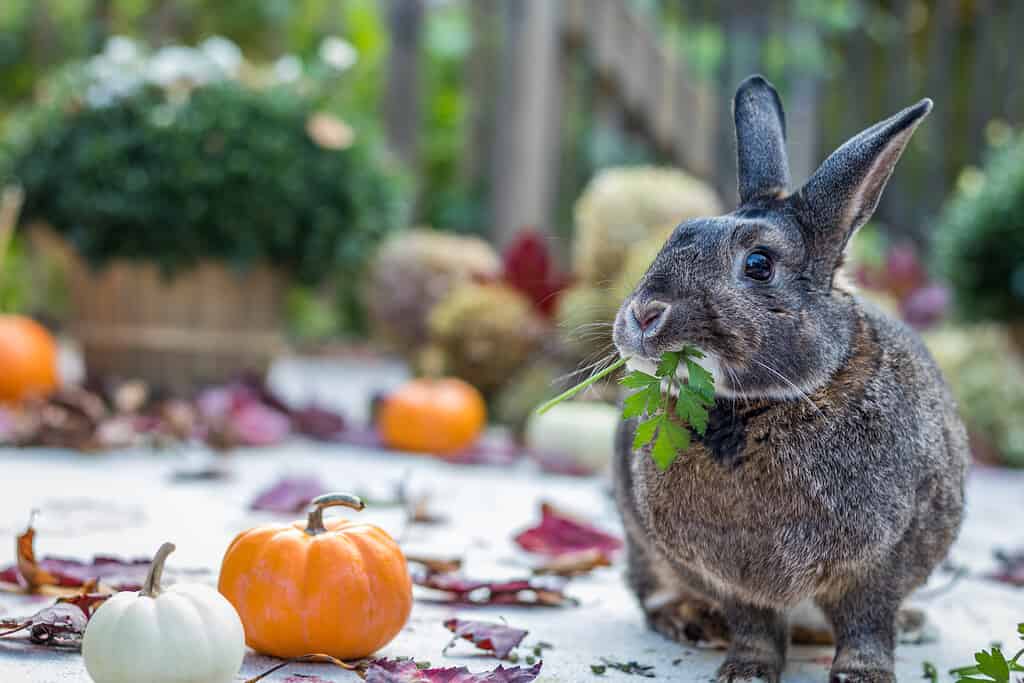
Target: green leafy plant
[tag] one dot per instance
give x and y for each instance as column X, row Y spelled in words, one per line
column 669, row 407
column 992, row 666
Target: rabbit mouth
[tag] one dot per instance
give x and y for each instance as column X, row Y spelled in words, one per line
column 710, row 362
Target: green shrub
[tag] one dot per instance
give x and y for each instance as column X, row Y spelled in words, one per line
column 222, row 171
column 980, row 242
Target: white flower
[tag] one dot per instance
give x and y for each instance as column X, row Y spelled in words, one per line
column 287, row 69
column 121, row 50
column 176, row 64
column 222, row 52
column 337, row 53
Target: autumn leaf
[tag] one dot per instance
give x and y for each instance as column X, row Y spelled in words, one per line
column 289, row 495
column 545, row 591
column 574, row 563
column 486, row 635
column 406, row 671
column 62, row 623
column 560, row 534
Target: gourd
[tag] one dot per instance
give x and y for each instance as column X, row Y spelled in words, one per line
column 28, row 356
column 439, row 416
column 583, row 431
column 337, row 587
column 187, row 633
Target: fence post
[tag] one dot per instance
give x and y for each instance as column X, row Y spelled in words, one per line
column 402, row 104
column 525, row 167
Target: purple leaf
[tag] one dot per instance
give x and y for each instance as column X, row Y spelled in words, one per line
column 256, row 424
column 318, row 423
column 487, row 635
column 406, row 671
column 115, row 572
column 925, row 306
column 289, row 495
column 544, row 591
column 559, row 534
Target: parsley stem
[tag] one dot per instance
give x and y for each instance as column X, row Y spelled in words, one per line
column 581, row 386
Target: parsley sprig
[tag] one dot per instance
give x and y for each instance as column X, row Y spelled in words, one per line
column 662, row 400
column 654, row 402
column 992, row 665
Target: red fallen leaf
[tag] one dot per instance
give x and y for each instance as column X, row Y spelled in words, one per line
column 87, row 602
column 318, row 423
column 1011, row 568
column 67, row 573
column 546, row 591
column 559, row 534
column 289, row 495
column 239, row 414
column 406, row 671
column 486, row 635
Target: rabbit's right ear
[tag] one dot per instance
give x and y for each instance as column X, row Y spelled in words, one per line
column 760, row 141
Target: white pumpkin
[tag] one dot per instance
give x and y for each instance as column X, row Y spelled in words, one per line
column 188, row 633
column 583, row 431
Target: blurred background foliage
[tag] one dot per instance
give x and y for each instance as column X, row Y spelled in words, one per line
column 441, row 87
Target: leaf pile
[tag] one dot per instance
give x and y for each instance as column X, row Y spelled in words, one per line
column 653, row 400
column 62, row 623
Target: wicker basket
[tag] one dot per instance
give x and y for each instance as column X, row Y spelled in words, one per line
column 207, row 325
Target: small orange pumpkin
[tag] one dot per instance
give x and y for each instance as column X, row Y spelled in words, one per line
column 432, row 415
column 338, row 587
column 28, row 358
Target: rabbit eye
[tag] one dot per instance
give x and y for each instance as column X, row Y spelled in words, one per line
column 758, row 266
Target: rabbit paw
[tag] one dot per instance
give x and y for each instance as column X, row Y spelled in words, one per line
column 862, row 676
column 748, row 671
column 690, row 621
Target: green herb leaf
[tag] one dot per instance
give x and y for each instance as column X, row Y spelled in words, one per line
column 645, row 432
column 669, row 364
column 635, row 405
column 639, row 380
column 701, row 381
column 689, row 407
column 664, row 452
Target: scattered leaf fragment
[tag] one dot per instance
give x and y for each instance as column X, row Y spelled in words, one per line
column 406, row 671
column 486, row 635
column 289, row 495
column 559, row 534
column 436, row 565
column 62, row 623
column 574, row 564
column 545, row 591
column 633, row 668
column 1011, row 567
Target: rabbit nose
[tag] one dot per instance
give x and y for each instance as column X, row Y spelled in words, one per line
column 649, row 315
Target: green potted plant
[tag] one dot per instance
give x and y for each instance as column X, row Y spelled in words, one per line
column 980, row 240
column 188, row 189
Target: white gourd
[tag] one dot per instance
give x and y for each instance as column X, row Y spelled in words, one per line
column 188, row 633
column 582, row 430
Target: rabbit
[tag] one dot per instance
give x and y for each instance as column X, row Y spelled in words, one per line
column 832, row 468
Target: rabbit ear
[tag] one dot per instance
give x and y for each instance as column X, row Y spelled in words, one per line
column 844, row 191
column 760, row 141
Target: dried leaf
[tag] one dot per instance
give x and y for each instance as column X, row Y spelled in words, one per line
column 317, row 422
column 547, row 591
column 575, row 563
column 559, row 534
column 33, row 575
column 1010, row 569
column 436, row 565
column 289, row 495
column 319, row 658
column 486, row 635
column 62, row 623
column 406, row 671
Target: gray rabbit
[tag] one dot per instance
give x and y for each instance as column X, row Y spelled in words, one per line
column 833, row 465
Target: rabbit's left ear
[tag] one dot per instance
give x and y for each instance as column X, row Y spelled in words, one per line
column 843, row 193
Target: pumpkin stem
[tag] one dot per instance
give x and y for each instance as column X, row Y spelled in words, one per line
column 151, row 588
column 315, row 524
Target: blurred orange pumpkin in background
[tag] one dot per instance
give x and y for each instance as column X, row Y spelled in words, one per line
column 333, row 586
column 432, row 416
column 28, row 359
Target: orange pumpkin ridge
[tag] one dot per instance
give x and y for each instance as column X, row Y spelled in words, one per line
column 340, row 587
column 440, row 416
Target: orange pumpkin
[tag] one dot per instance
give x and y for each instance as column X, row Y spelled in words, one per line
column 432, row 415
column 338, row 587
column 28, row 359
